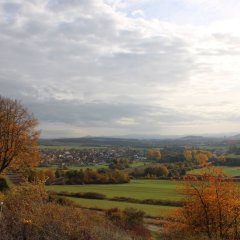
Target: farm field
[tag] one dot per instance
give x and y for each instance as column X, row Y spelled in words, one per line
column 95, row 167
column 138, row 189
column 150, row 210
column 230, row 171
column 232, row 156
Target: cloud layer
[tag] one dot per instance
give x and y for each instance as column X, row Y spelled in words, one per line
column 123, row 67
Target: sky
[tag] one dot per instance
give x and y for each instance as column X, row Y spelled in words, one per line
column 123, row 67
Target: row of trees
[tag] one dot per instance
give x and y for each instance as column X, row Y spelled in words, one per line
column 157, row 170
column 90, row 176
column 200, row 157
column 87, row 176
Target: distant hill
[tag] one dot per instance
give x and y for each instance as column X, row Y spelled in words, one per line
column 235, row 137
column 190, row 138
column 99, row 141
column 128, row 142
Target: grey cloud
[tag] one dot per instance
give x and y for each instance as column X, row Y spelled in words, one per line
column 11, row 7
column 100, row 114
column 80, row 62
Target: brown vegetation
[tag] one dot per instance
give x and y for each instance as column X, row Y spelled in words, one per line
column 131, row 220
column 28, row 214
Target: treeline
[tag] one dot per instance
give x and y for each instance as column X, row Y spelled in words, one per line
column 180, row 154
column 90, row 176
column 161, row 171
column 72, row 177
column 234, row 150
column 228, row 161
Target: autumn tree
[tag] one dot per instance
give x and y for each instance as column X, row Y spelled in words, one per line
column 201, row 157
column 18, row 136
column 188, row 155
column 211, row 209
column 154, row 154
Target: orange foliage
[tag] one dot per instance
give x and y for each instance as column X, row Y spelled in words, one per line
column 18, row 137
column 28, row 214
column 154, row 154
column 211, row 209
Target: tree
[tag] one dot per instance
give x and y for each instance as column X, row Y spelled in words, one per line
column 211, row 209
column 154, row 154
column 18, row 136
column 188, row 155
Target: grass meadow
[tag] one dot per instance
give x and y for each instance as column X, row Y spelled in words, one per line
column 230, row 171
column 138, row 189
column 95, row 167
column 150, row 210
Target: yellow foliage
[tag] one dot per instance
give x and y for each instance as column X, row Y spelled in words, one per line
column 154, row 154
column 18, row 136
column 211, row 209
column 188, row 155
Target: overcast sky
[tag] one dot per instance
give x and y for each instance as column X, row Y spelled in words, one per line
column 119, row 67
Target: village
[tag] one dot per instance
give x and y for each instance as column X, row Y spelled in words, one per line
column 88, row 157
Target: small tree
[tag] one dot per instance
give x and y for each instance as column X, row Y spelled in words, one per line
column 18, row 136
column 154, row 154
column 211, row 209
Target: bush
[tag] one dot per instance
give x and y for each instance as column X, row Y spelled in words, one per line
column 28, row 214
column 3, row 184
column 131, row 220
column 93, row 195
column 90, row 195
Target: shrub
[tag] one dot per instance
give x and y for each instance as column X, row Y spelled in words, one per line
column 93, row 195
column 28, row 214
column 131, row 220
column 3, row 184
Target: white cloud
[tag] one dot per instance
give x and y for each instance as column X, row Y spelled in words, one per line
column 90, row 66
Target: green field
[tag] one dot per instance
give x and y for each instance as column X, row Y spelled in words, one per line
column 138, row 189
column 95, row 167
column 150, row 210
column 232, row 156
column 230, row 171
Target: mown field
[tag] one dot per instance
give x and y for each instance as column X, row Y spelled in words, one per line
column 230, row 171
column 137, row 189
column 150, row 210
column 95, row 167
